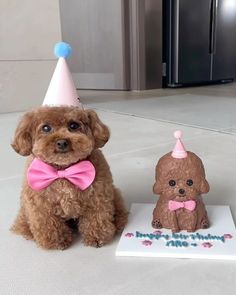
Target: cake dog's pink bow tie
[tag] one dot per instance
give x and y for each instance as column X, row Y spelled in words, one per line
column 189, row 205
column 40, row 175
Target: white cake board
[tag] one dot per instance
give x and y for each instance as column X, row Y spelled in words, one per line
column 140, row 239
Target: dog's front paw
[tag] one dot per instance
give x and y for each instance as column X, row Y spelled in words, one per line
column 98, row 235
column 99, row 240
column 65, row 243
column 156, row 223
column 53, row 239
column 93, row 242
column 61, row 244
column 22, row 229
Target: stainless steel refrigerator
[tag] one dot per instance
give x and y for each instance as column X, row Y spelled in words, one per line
column 199, row 41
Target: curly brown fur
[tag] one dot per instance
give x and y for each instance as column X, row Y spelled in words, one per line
column 180, row 170
column 45, row 216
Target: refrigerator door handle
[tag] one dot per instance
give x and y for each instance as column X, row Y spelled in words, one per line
column 213, row 10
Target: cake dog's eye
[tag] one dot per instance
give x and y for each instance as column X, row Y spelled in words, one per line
column 74, row 126
column 189, row 182
column 172, row 182
column 46, row 128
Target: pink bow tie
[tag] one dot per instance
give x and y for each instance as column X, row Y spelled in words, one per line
column 41, row 175
column 189, row 205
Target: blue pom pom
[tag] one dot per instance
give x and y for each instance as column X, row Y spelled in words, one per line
column 62, row 49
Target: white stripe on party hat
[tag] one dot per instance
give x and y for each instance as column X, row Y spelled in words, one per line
column 179, row 151
column 61, row 90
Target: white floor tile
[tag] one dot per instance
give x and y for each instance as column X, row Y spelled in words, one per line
column 209, row 112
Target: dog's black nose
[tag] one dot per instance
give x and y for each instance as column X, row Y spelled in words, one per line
column 62, row 145
column 181, row 191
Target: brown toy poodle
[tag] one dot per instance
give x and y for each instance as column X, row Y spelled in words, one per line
column 61, row 137
column 179, row 181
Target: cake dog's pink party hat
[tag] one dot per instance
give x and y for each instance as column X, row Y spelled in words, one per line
column 61, row 90
column 179, row 151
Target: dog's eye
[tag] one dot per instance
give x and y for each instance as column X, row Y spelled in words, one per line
column 189, row 182
column 46, row 128
column 172, row 182
column 74, row 126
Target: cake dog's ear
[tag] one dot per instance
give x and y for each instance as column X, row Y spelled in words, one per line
column 204, row 187
column 100, row 131
column 157, row 187
column 22, row 142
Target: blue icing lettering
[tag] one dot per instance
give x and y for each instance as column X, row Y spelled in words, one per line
column 151, row 236
column 207, row 237
column 200, row 237
column 175, row 236
column 180, row 236
column 221, row 238
column 177, row 243
column 170, row 243
column 166, row 237
column 140, row 235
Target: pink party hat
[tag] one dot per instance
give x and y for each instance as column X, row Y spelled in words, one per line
column 61, row 90
column 179, row 151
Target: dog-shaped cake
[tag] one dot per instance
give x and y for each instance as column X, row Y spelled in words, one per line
column 180, row 181
column 68, row 183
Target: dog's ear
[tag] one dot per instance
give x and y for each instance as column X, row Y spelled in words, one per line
column 204, row 187
column 22, row 142
column 157, row 187
column 100, row 131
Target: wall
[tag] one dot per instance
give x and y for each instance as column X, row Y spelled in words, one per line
column 96, row 29
column 28, row 31
column 125, row 55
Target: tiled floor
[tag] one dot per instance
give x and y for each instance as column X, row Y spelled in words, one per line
column 135, row 146
column 200, row 111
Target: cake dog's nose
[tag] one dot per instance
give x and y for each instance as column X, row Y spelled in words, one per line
column 181, row 191
column 62, row 144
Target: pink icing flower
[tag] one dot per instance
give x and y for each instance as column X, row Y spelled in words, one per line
column 146, row 243
column 228, row 236
column 157, row 232
column 207, row 245
column 129, row 235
